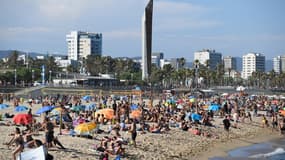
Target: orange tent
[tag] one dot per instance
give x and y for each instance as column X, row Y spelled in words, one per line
column 136, row 114
column 108, row 113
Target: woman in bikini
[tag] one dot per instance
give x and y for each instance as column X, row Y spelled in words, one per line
column 19, row 142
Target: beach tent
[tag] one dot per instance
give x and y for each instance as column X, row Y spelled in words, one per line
column 3, row 106
column 85, row 128
column 108, row 113
column 21, row 108
column 44, row 109
column 196, row 117
column 23, row 119
column 214, row 107
column 33, row 154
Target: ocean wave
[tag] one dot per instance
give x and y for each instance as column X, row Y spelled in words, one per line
column 275, row 152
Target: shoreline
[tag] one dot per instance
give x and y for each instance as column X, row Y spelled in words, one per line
column 221, row 149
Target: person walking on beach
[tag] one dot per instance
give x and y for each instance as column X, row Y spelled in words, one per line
column 133, row 131
column 227, row 125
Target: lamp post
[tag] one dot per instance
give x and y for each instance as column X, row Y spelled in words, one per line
column 33, row 75
column 50, row 76
column 15, row 77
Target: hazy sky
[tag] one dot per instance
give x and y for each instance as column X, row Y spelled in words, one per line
column 180, row 27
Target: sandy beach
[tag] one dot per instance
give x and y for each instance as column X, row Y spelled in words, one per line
column 175, row 144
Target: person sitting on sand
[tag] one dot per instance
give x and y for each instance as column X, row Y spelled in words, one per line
column 264, row 121
column 18, row 140
column 195, row 131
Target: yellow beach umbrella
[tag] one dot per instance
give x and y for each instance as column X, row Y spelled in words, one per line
column 85, row 128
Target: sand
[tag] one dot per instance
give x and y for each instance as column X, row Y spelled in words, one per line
column 176, row 144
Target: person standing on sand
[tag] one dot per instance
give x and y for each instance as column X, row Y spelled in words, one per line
column 227, row 125
column 133, row 131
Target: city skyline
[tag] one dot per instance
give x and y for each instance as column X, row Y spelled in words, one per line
column 179, row 27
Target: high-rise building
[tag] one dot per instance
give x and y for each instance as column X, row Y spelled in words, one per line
column 252, row 62
column 282, row 63
column 147, row 40
column 277, row 64
column 81, row 44
column 156, row 57
column 230, row 63
column 209, row 58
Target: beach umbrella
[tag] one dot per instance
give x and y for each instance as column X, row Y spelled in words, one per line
column 78, row 108
column 90, row 107
column 85, row 128
column 134, row 107
column 56, row 111
column 179, row 106
column 44, row 109
column 86, row 98
column 23, row 119
column 192, row 100
column 180, row 101
column 136, row 114
column 196, row 117
column 78, row 121
column 214, row 107
column 108, row 113
column 282, row 112
column 20, row 108
column 3, row 106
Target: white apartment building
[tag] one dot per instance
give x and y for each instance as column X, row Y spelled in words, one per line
column 277, row 64
column 211, row 56
column 252, row 62
column 230, row 63
column 81, row 44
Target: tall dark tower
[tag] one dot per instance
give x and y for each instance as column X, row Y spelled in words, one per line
column 147, row 40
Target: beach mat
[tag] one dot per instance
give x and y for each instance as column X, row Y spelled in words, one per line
column 33, row 154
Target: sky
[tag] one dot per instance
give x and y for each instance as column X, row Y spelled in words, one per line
column 180, row 27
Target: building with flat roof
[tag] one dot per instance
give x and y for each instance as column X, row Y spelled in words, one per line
column 252, row 62
column 81, row 44
column 230, row 63
column 209, row 58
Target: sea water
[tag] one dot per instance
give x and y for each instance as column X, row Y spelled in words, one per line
column 272, row 150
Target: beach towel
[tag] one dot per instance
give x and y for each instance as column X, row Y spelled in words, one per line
column 33, row 154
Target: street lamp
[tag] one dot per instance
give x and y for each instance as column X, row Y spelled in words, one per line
column 33, row 75
column 15, row 77
column 49, row 76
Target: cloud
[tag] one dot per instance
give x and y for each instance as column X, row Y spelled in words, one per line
column 122, row 34
column 10, row 32
column 171, row 7
column 175, row 15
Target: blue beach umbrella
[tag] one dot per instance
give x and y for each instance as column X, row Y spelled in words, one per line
column 44, row 109
column 86, row 98
column 3, row 106
column 134, row 107
column 214, row 107
column 21, row 108
column 90, row 107
column 196, row 117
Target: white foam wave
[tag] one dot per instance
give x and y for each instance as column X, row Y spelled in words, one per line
column 275, row 152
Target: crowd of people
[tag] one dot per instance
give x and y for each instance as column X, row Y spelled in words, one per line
column 152, row 118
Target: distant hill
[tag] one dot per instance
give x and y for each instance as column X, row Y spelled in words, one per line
column 6, row 53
